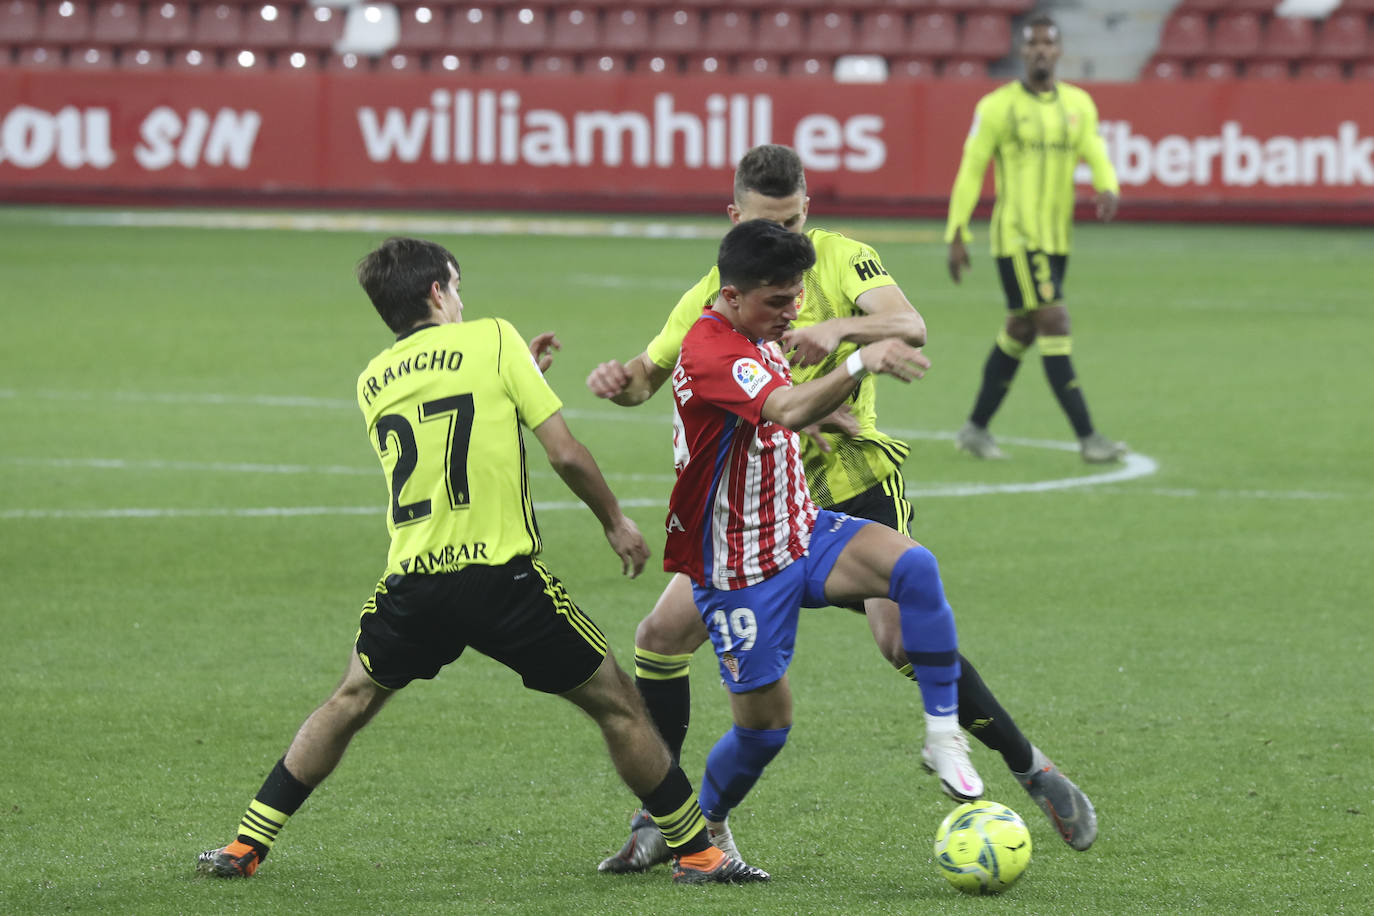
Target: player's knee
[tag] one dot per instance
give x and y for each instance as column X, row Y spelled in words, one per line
column 672, row 628
column 915, row 572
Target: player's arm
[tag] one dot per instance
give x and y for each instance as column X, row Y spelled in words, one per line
column 1094, row 152
column 968, row 186
column 628, row 384
column 572, row 461
column 807, row 403
column 887, row 313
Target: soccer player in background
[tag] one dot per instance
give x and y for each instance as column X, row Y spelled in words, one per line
column 444, row 406
column 1035, row 130
column 742, row 527
column 851, row 466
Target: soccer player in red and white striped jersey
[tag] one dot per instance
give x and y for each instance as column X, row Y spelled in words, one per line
column 742, row 526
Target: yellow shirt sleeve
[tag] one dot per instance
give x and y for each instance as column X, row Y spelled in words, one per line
column 1094, row 151
column 534, row 400
column 968, row 184
column 664, row 348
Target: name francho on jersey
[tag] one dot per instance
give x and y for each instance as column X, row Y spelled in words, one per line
column 444, row 406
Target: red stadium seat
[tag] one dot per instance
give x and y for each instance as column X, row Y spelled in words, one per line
column 657, row 65
column 424, row 28
column 19, row 21
column 318, row 28
column 829, row 32
column 1236, row 36
column 758, row 65
column 1009, row 7
column 678, row 31
column 500, row 64
column 605, row 65
column 1260, row 8
column 963, row 69
column 780, row 31
column 1268, row 70
column 402, row 62
column 448, row 62
column 575, row 29
column 116, row 22
column 985, row 35
column 1185, row 36
column 218, row 25
column 807, row 66
column 246, row 60
column 166, row 23
column 91, row 57
column 269, row 25
column 197, row 59
column 552, row 65
column 954, row 7
column 298, row 59
column 1286, row 38
column 884, row 32
column 142, row 59
column 1321, row 70
column 933, row 35
column 1362, row 70
column 523, row 28
column 1163, row 68
column 39, row 57
column 729, row 31
column 65, row 22
column 625, row 30
column 1214, row 69
column 702, row 64
column 912, row 68
column 1344, row 36
column 472, row 28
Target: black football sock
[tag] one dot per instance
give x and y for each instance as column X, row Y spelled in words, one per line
column 280, row 797
column 663, row 682
column 998, row 372
column 1059, row 370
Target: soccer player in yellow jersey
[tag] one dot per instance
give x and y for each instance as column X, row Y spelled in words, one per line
column 1034, row 131
column 848, row 299
column 444, row 407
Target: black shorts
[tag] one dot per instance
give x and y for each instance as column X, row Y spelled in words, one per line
column 885, row 503
column 517, row 613
column 1031, row 279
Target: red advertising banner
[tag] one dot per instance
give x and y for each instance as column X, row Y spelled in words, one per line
column 1180, row 148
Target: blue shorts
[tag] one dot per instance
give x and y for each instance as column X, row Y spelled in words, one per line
column 755, row 628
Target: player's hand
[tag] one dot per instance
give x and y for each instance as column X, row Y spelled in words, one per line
column 810, row 345
column 1106, row 205
column 839, row 421
column 896, row 358
column 958, row 259
column 608, row 379
column 628, row 543
column 542, row 348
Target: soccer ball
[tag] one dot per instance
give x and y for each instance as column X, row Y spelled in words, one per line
column 982, row 847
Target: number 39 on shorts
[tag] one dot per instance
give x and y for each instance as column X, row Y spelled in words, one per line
column 738, row 629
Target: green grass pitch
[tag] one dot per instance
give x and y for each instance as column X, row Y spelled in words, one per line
column 191, row 517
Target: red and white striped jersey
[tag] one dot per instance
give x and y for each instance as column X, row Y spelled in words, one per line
column 740, row 511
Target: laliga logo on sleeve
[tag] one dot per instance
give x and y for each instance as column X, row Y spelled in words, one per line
column 750, row 376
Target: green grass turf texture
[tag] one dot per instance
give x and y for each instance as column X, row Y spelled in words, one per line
column 1192, row 646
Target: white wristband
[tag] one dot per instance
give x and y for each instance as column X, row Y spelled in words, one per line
column 855, row 365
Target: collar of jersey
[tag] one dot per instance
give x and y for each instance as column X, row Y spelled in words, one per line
column 1049, row 96
column 419, row 327
column 710, row 312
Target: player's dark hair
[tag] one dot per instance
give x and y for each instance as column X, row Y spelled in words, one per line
column 1043, row 21
column 398, row 275
column 772, row 170
column 759, row 252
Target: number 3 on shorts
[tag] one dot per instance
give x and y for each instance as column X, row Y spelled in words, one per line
column 739, row 630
